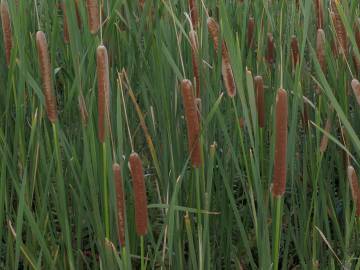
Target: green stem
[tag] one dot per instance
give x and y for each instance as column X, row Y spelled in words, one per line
column 124, row 257
column 142, row 252
column 106, row 195
column 278, row 201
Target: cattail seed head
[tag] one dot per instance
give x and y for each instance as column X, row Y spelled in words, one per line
column 325, row 139
column 194, row 15
column 281, row 122
column 354, row 186
column 250, row 32
column 270, row 55
column 320, row 49
column 339, row 29
column 120, row 203
column 294, row 51
column 65, row 24
column 93, row 15
column 213, row 28
column 194, row 57
column 141, row 212
column 355, row 85
column 45, row 70
column 260, row 100
column 102, row 67
column 319, row 13
column 6, row 27
column 192, row 123
column 227, row 72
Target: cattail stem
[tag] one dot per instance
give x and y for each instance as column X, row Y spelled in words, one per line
column 143, row 267
column 106, row 195
column 277, row 232
column 45, row 69
column 141, row 212
column 6, row 27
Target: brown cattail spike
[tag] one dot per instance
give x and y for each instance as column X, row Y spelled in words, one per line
column 320, row 49
column 45, row 69
column 295, row 53
column 319, row 13
column 355, row 85
column 339, row 29
column 270, row 55
column 65, row 24
column 281, row 121
column 213, row 28
column 192, row 123
column 194, row 15
column 194, row 58
column 141, row 212
column 120, row 203
column 260, row 100
column 227, row 72
column 354, row 186
column 250, row 32
column 93, row 15
column 103, row 90
column 6, row 27
column 325, row 139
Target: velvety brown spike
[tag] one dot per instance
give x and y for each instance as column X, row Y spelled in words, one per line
column 295, row 53
column 141, row 211
column 192, row 123
column 93, row 15
column 319, row 13
column 260, row 100
column 102, row 67
column 281, row 132
column 65, row 24
column 227, row 72
column 194, row 15
column 195, row 58
column 250, row 32
column 270, row 54
column 355, row 190
column 339, row 29
column 214, row 31
column 320, row 49
column 6, row 27
column 45, row 70
column 83, row 111
column 120, row 203
column 325, row 139
column 355, row 85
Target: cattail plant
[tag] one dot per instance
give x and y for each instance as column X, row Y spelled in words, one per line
column 6, row 27
column 354, row 187
column 295, row 53
column 45, row 70
column 227, row 72
column 214, row 31
column 192, row 123
column 279, row 180
column 120, row 203
column 141, row 3
column 260, row 100
column 250, row 32
column 325, row 139
column 319, row 13
column 103, row 90
column 194, row 57
column 93, row 15
column 339, row 29
column 270, row 54
column 320, row 49
column 194, row 15
column 141, row 212
column 355, row 85
column 65, row 24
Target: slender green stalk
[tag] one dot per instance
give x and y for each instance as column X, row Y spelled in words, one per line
column 106, row 192
column 277, row 231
